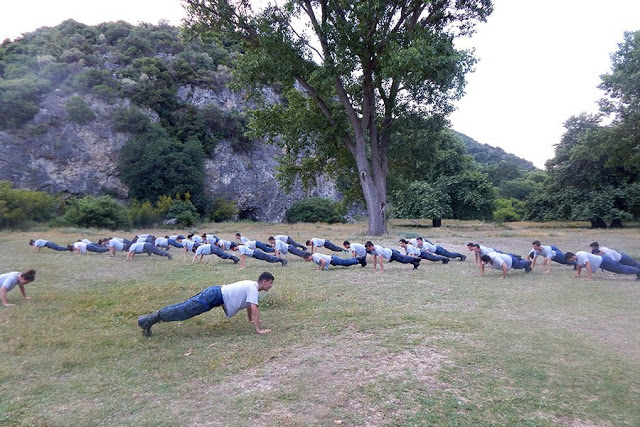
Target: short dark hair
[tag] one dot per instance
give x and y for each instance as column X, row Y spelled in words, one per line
column 403, row 241
column 536, row 243
column 31, row 242
column 266, row 276
column 596, row 251
column 306, row 255
column 346, row 242
column 486, row 258
column 471, row 244
column 594, row 245
column 233, row 245
column 189, row 236
column 419, row 238
column 238, row 234
column 29, row 275
column 476, row 245
column 271, row 238
column 368, row 244
column 569, row 255
column 308, row 243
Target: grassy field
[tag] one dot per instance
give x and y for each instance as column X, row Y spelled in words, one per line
column 435, row 346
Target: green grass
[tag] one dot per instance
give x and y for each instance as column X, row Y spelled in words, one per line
column 436, row 346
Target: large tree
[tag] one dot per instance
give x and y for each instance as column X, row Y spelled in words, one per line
column 347, row 70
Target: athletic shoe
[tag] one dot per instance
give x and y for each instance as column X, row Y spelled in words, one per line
column 463, row 257
column 147, row 321
column 235, row 260
column 445, row 260
column 416, row 264
column 363, row 261
column 527, row 269
column 284, row 262
column 169, row 256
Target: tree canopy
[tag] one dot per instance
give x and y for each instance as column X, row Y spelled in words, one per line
column 347, row 70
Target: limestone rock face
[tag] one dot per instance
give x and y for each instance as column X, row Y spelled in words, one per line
column 56, row 155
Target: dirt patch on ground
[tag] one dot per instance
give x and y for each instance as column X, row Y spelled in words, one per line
column 328, row 377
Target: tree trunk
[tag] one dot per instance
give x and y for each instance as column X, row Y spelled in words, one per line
column 436, row 222
column 616, row 223
column 598, row 223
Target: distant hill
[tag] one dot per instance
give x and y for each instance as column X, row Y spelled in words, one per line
column 487, row 155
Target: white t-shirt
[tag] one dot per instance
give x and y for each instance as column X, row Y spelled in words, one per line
column 137, row 247
column 412, row 250
column 239, row 295
column 40, row 243
column 204, row 250
column 615, row 255
column 318, row 243
column 244, row 250
column 358, row 249
column 224, row 244
column 546, row 252
column 428, row 246
column 317, row 258
column 243, row 240
column 9, row 280
column 87, row 241
column 81, row 247
column 594, row 260
column 162, row 241
column 251, row 244
column 498, row 259
column 281, row 247
column 282, row 238
column 211, row 239
column 197, row 239
column 381, row 252
column 116, row 244
column 486, row 251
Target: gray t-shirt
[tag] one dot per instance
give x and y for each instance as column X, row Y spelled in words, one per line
column 9, row 280
column 498, row 259
column 281, row 247
column 358, row 249
column 594, row 260
column 381, row 252
column 40, row 243
column 245, row 250
column 546, row 252
column 137, row 247
column 239, row 295
column 615, row 255
column 412, row 250
column 203, row 250
column 318, row 243
column 116, row 244
column 317, row 258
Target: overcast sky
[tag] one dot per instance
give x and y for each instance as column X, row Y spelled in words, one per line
column 540, row 60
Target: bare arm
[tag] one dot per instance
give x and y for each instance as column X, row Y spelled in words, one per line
column 24, row 294
column 3, row 297
column 322, row 264
column 504, row 270
column 242, row 265
column 254, row 317
column 587, row 265
column 482, row 269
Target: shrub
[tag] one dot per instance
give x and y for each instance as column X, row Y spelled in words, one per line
column 18, row 206
column 222, row 209
column 184, row 212
column 143, row 214
column 130, row 120
column 99, row 212
column 315, row 209
column 79, row 111
column 508, row 210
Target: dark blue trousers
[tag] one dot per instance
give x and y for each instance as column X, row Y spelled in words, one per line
column 150, row 248
column 197, row 304
column 258, row 254
column 336, row 260
column 332, row 247
column 56, row 247
column 404, row 259
column 222, row 254
column 430, row 256
column 175, row 243
column 97, row 248
column 264, row 247
column 290, row 241
column 560, row 258
column 518, row 263
column 442, row 251
column 616, row 267
column 627, row 260
column 295, row 251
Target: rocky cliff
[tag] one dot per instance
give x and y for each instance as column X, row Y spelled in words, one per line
column 54, row 154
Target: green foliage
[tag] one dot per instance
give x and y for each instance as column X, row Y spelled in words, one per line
column 314, row 209
column 184, row 212
column 422, row 200
column 522, row 187
column 79, row 111
column 508, row 210
column 18, row 207
column 143, row 214
column 100, row 212
column 19, row 100
column 222, row 209
column 153, row 164
column 131, row 120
